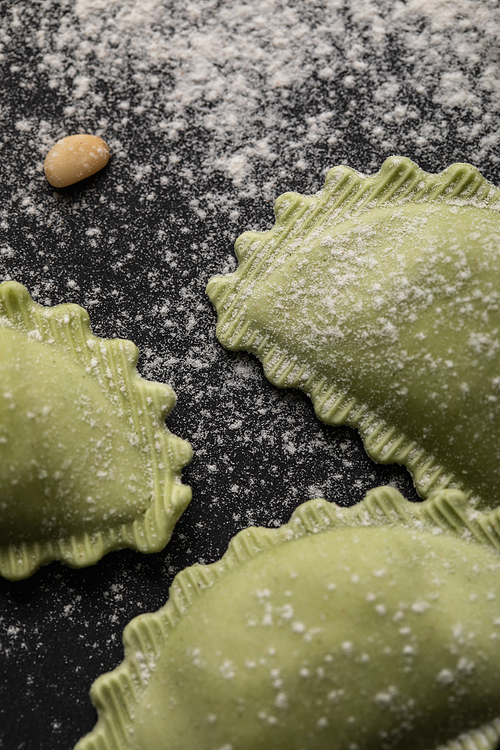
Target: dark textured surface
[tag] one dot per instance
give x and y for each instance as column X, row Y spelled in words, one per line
column 140, row 264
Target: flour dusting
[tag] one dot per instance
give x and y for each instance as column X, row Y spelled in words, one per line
column 211, row 110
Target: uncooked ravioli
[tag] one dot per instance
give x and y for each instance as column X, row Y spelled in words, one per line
column 380, row 297
column 374, row 627
column 86, row 463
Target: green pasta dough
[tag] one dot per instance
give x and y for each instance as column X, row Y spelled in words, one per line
column 374, row 627
column 380, row 298
column 86, row 464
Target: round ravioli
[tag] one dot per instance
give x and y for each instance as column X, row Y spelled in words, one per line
column 86, row 464
column 379, row 297
column 374, row 628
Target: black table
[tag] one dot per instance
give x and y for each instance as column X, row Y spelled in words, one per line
column 199, row 155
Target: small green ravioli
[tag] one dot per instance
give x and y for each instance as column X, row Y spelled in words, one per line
column 380, row 298
column 86, row 464
column 374, row 627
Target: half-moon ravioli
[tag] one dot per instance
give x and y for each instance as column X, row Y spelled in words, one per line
column 380, row 297
column 374, row 627
column 86, row 464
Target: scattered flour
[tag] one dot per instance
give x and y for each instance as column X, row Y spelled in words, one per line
column 211, row 109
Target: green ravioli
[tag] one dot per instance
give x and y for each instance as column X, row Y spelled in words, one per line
column 380, row 298
column 86, row 464
column 375, row 627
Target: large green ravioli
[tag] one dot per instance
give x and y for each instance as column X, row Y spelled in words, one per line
column 374, row 627
column 86, row 464
column 380, row 297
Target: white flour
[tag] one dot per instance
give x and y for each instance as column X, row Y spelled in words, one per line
column 211, row 109
column 404, row 74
